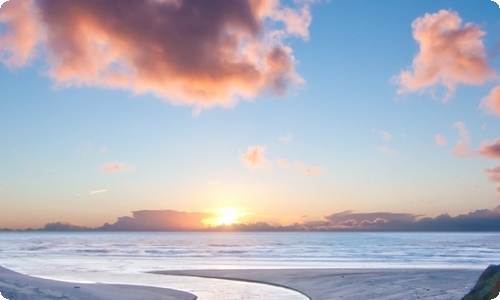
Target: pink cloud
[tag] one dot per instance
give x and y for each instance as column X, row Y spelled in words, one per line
column 185, row 51
column 463, row 147
column 283, row 163
column 255, row 159
column 494, row 174
column 116, row 167
column 17, row 44
column 308, row 170
column 450, row 54
column 491, row 103
column 440, row 140
column 490, row 149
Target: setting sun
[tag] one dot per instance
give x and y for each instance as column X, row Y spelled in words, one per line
column 223, row 216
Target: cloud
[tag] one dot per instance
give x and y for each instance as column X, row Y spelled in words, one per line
column 17, row 44
column 287, row 138
column 159, row 220
column 64, row 226
column 282, row 163
column 308, row 170
column 170, row 220
column 440, row 140
column 188, row 52
column 463, row 146
column 479, row 220
column 92, row 192
column 491, row 103
column 386, row 150
column 450, row 54
column 116, row 167
column 490, row 149
column 386, row 136
column 254, row 158
column 494, row 174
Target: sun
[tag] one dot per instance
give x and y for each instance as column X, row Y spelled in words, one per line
column 223, row 216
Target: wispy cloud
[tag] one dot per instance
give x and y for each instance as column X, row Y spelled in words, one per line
column 493, row 174
column 287, row 138
column 386, row 136
column 185, row 51
column 116, row 167
column 92, row 192
column 463, row 147
column 254, row 158
column 386, row 150
column 282, row 163
column 491, row 103
column 440, row 140
column 450, row 54
column 308, row 170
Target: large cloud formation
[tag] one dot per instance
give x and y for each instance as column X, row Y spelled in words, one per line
column 450, row 54
column 194, row 52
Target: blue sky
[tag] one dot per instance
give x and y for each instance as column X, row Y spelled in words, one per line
column 87, row 154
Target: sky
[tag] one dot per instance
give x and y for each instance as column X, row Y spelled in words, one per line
column 194, row 113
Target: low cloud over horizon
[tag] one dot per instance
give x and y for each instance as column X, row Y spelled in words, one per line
column 171, row 220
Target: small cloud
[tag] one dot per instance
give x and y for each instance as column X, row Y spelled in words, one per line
column 103, row 149
column 386, row 136
column 282, row 163
column 386, row 150
column 450, row 54
column 254, row 158
column 493, row 174
column 92, row 192
column 440, row 140
column 116, row 167
column 463, row 147
column 308, row 170
column 287, row 138
column 498, row 3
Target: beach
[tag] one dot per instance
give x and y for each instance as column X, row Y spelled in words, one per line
column 15, row 286
column 316, row 284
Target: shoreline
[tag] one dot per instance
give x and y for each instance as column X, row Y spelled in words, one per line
column 314, row 284
column 14, row 285
column 383, row 284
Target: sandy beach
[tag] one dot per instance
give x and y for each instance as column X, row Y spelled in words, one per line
column 383, row 284
column 316, row 284
column 15, row 286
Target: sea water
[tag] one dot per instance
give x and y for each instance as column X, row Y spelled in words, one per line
column 126, row 257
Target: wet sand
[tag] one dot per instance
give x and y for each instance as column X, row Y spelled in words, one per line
column 383, row 284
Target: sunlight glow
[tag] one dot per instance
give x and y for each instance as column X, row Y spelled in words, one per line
column 224, row 216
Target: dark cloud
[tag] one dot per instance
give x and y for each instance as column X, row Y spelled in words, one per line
column 491, row 149
column 63, row 226
column 193, row 52
column 159, row 220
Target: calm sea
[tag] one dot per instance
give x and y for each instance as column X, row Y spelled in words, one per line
column 125, row 257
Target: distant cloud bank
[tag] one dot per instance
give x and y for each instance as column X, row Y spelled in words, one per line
column 185, row 51
column 170, row 220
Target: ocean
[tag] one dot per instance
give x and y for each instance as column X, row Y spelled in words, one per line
column 125, row 257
